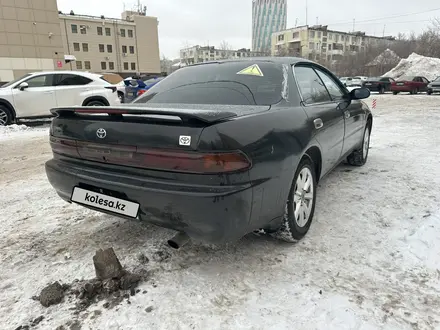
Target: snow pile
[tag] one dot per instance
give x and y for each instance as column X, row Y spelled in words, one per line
column 21, row 131
column 387, row 57
column 416, row 65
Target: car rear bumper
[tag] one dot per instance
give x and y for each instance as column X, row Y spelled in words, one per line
column 213, row 214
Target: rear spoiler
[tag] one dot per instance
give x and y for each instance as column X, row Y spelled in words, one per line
column 206, row 116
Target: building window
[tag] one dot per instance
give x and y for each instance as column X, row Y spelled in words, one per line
column 87, row 65
column 76, row 47
column 74, row 28
column 109, row 49
column 311, row 34
column 130, row 33
column 319, row 34
column 101, row 48
column 111, row 65
column 311, row 45
column 123, row 33
column 133, row 66
column 125, row 65
column 85, row 47
column 108, row 32
column 295, row 35
column 79, row 65
column 103, row 66
column 131, row 49
column 83, row 29
column 124, row 49
column 99, row 30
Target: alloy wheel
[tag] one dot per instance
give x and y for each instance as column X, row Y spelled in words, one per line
column 303, row 197
column 3, row 118
column 366, row 144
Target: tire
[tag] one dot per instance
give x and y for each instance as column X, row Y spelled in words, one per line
column 395, row 93
column 95, row 103
column 429, row 92
column 359, row 156
column 5, row 116
column 121, row 96
column 295, row 226
column 381, row 90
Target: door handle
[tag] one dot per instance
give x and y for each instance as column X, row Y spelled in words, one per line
column 318, row 123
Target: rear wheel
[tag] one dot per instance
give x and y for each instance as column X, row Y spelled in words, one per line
column 359, row 156
column 5, row 116
column 395, row 93
column 429, row 92
column 300, row 206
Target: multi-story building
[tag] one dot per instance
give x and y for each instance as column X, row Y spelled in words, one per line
column 199, row 54
column 268, row 16
column 319, row 43
column 125, row 46
column 35, row 36
column 30, row 38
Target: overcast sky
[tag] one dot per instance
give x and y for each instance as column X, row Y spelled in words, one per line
column 206, row 22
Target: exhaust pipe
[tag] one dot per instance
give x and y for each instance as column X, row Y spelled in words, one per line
column 179, row 240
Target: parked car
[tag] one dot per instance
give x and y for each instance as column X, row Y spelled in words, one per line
column 358, row 80
column 34, row 94
column 411, row 84
column 378, row 84
column 434, row 86
column 346, row 81
column 137, row 87
column 216, row 150
column 121, row 89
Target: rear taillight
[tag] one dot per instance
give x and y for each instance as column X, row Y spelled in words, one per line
column 141, row 91
column 155, row 159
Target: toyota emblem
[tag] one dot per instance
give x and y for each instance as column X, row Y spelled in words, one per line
column 101, row 133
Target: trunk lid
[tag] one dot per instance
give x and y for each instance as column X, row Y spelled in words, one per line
column 156, row 126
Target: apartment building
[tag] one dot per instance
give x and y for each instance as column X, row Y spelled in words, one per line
column 125, row 46
column 319, row 43
column 199, row 54
column 30, row 38
column 268, row 16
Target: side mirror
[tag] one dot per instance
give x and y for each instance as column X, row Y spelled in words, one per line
column 359, row 93
column 23, row 86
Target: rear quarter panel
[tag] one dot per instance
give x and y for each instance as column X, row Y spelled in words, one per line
column 275, row 141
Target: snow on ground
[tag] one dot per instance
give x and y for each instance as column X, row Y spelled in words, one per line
column 14, row 132
column 416, row 65
column 370, row 261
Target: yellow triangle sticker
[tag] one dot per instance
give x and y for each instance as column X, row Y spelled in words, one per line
column 253, row 70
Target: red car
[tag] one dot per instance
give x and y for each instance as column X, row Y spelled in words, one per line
column 411, row 84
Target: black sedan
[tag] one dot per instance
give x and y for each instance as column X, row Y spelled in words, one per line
column 216, row 150
column 378, row 84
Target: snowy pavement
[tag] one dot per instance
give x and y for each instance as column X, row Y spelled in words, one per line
column 370, row 261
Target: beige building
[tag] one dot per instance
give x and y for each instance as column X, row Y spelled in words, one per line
column 100, row 44
column 35, row 36
column 319, row 43
column 30, row 37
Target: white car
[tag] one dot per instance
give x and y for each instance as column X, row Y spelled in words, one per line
column 34, row 94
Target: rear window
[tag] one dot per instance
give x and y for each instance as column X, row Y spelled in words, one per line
column 230, row 83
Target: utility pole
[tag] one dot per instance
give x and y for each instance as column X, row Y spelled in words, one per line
column 354, row 23
column 383, row 32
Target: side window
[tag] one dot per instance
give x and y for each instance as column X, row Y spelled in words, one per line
column 334, row 90
column 40, row 81
column 310, row 86
column 72, row 80
column 425, row 80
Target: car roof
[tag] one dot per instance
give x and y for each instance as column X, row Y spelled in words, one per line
column 80, row 73
column 273, row 59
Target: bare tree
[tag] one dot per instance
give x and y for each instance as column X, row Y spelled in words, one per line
column 185, row 57
column 225, row 50
column 165, row 65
